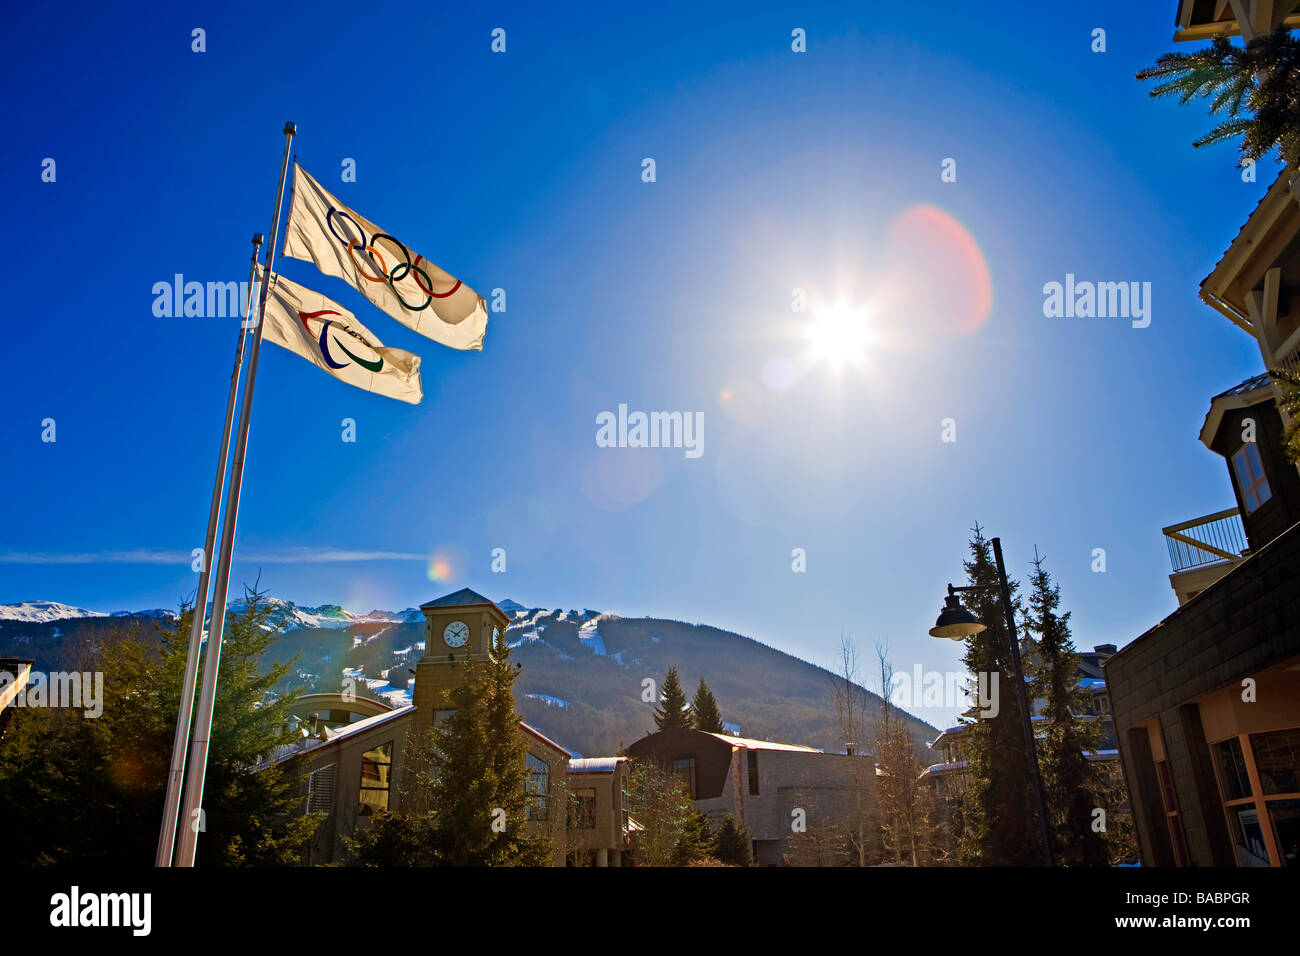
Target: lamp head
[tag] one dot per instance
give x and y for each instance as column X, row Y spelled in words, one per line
column 956, row 622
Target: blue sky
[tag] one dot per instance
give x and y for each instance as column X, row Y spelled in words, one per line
column 522, row 171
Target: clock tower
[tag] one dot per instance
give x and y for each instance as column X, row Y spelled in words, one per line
column 459, row 628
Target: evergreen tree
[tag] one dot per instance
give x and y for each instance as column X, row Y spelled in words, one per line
column 91, row 790
column 1256, row 86
column 999, row 818
column 1289, row 382
column 1070, row 783
column 463, row 800
column 704, row 711
column 734, row 843
column 477, row 770
column 696, row 841
column 673, row 714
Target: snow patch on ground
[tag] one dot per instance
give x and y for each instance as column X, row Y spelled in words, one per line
column 548, row 700
column 589, row 635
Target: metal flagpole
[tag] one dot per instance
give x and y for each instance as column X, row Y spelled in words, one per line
column 198, row 761
column 167, row 835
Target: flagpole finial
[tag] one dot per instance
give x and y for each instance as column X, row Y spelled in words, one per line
column 290, row 129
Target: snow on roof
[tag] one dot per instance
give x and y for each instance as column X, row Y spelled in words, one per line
column 764, row 744
column 595, row 764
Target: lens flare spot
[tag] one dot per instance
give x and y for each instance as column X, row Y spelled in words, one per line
column 945, row 278
column 442, row 566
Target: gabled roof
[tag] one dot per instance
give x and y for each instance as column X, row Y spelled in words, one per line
column 462, row 598
column 1250, row 392
column 1223, row 289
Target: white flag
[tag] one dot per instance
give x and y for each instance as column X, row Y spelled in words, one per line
column 410, row 288
column 330, row 337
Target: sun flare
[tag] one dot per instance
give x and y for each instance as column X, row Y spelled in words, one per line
column 839, row 334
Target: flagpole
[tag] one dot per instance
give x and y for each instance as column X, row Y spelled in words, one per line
column 175, row 777
column 191, row 815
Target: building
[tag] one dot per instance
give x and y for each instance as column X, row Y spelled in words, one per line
column 352, row 751
column 1203, row 19
column 598, row 824
column 1207, row 702
column 766, row 786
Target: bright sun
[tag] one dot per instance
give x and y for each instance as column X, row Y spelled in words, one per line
column 839, row 334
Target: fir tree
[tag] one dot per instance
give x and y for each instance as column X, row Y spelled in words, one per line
column 704, row 711
column 673, row 714
column 734, row 843
column 999, row 817
column 90, row 790
column 463, row 799
column 477, row 770
column 1257, row 88
column 696, row 841
column 1289, row 383
column 1070, row 783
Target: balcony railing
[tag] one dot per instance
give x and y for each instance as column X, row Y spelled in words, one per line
column 1204, row 541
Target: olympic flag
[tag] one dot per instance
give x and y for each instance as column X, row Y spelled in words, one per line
column 410, row 288
column 327, row 335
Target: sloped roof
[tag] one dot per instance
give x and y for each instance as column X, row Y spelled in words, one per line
column 462, row 598
column 750, row 744
column 1249, row 392
column 529, row 728
column 1276, row 200
column 1257, row 381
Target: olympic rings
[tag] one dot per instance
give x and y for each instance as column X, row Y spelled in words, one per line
column 400, row 270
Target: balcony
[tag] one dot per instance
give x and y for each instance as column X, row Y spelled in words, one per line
column 1203, row 550
column 1213, row 539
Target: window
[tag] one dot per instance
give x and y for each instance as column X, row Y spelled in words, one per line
column 320, row 790
column 440, row 715
column 1170, row 800
column 376, row 767
column 582, row 809
column 1232, row 769
column 1277, row 761
column 684, row 769
column 1101, row 704
column 537, row 789
column 1285, row 817
column 1251, row 482
column 753, row 771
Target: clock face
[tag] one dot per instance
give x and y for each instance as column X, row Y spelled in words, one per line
column 456, row 634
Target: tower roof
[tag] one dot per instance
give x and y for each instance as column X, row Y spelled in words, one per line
column 462, row 598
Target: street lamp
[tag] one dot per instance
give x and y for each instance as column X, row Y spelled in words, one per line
column 957, row 623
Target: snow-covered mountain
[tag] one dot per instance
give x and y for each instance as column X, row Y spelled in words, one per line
column 583, row 675
column 291, row 617
column 285, row 613
column 40, row 612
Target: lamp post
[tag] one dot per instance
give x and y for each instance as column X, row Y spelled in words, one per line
column 957, row 623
